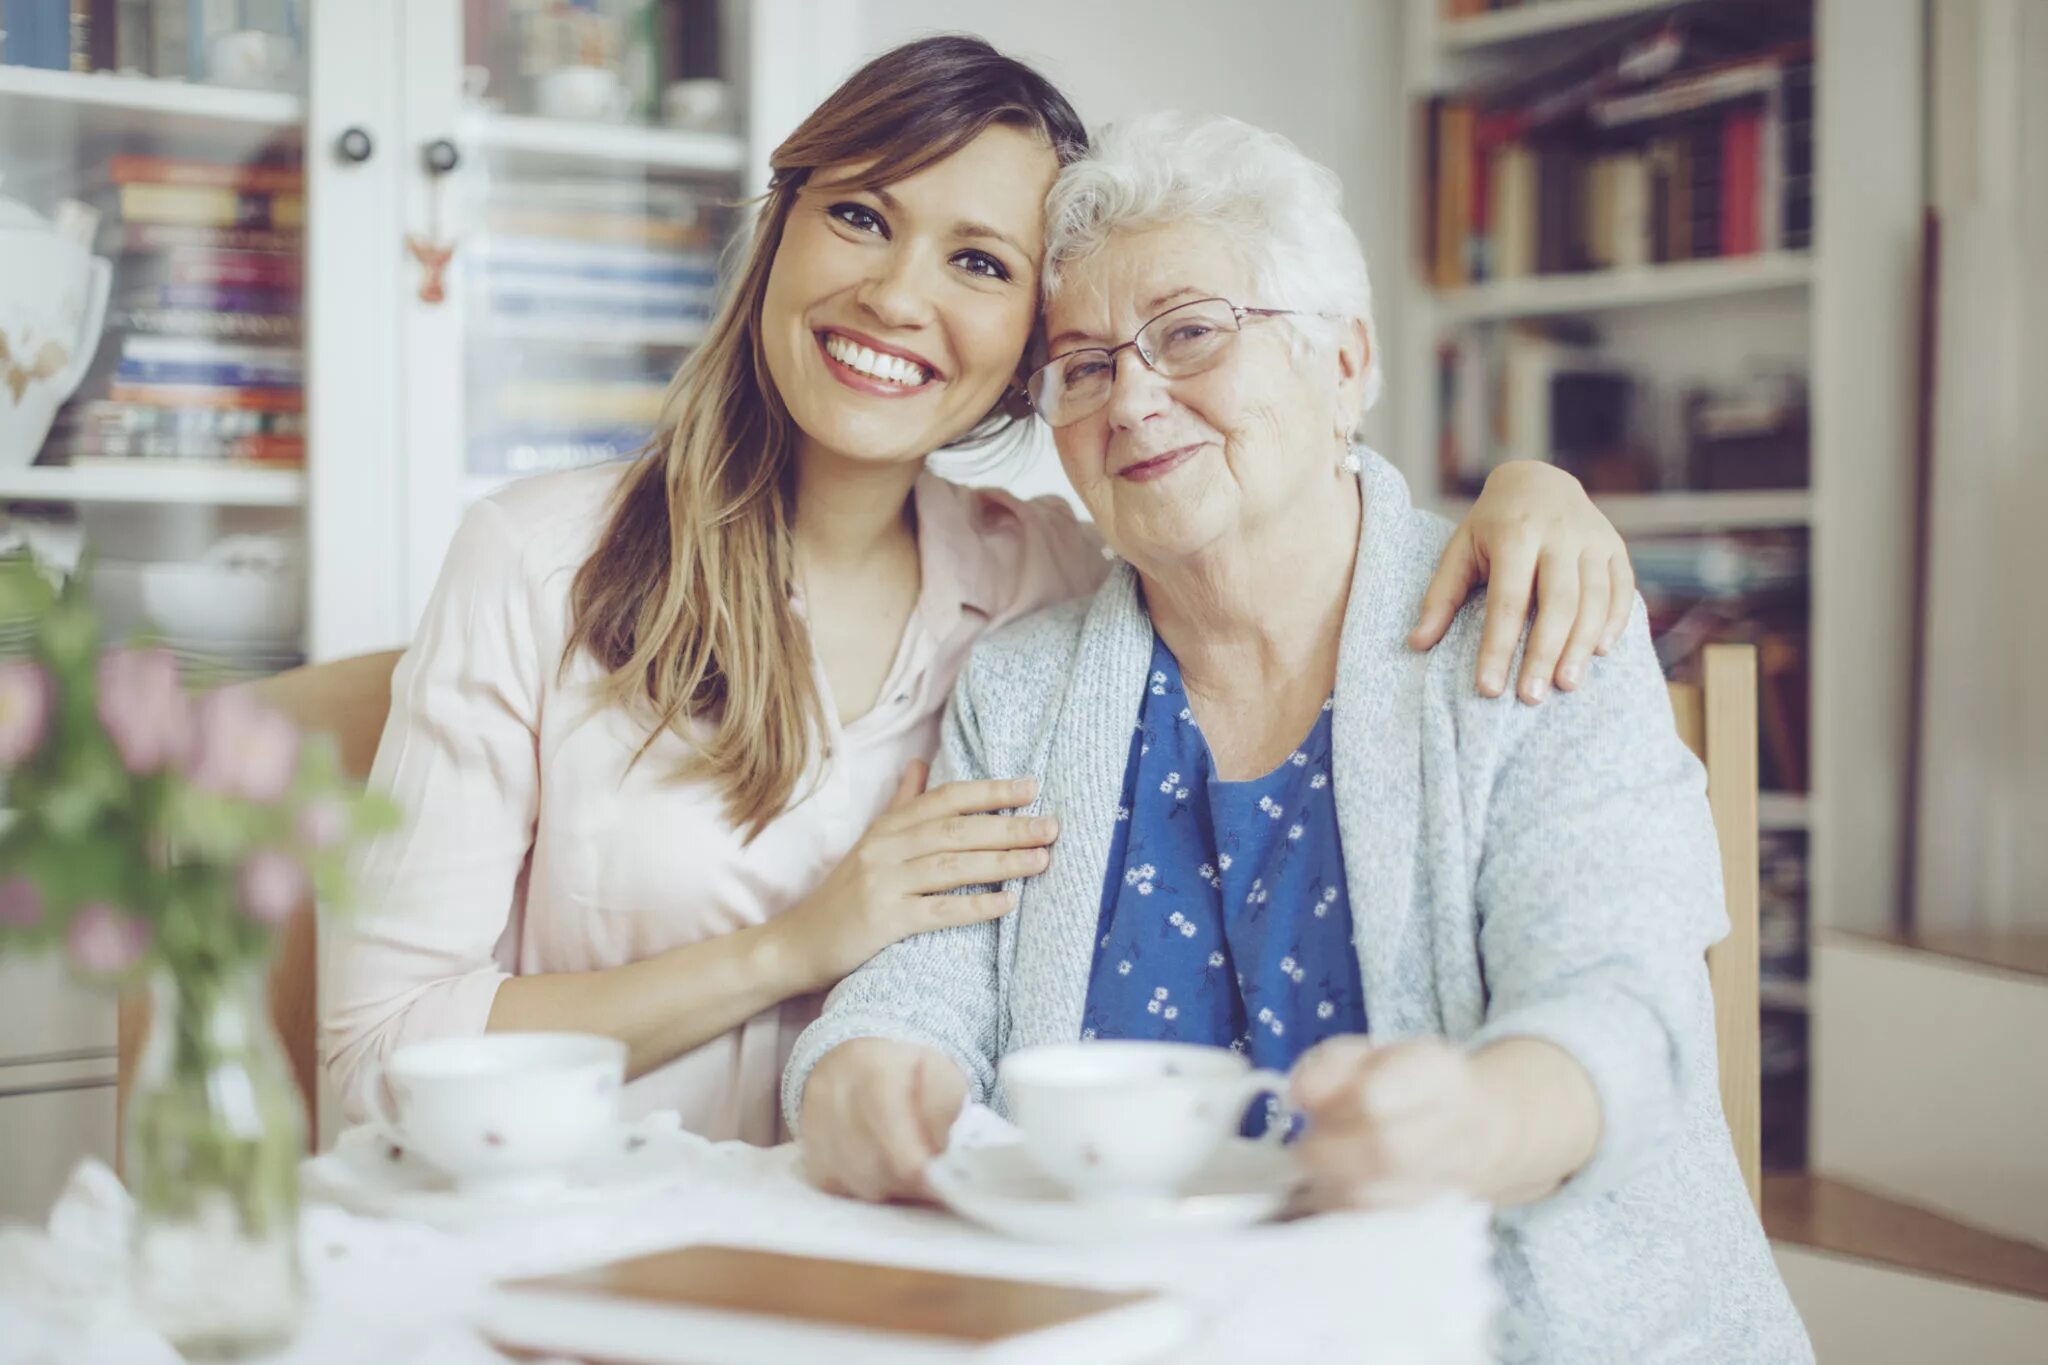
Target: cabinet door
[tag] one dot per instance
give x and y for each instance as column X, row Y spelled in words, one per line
column 574, row 165
column 51, row 1118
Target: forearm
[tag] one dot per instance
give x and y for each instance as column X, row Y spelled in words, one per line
column 665, row 1005
column 1542, row 1116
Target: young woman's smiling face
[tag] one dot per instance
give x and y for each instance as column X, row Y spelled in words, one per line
column 895, row 317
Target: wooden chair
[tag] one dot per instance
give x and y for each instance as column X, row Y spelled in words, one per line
column 347, row 699
column 1717, row 720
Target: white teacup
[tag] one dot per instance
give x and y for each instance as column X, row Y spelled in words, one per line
column 502, row 1108
column 582, row 92
column 1115, row 1119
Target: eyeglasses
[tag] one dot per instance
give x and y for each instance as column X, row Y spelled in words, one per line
column 1184, row 340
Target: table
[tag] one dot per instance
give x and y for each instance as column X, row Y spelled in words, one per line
column 1406, row 1286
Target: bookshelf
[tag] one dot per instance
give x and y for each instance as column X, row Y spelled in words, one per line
column 1838, row 311
column 46, row 105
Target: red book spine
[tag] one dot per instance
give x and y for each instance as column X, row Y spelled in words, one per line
column 1741, row 140
column 265, row 270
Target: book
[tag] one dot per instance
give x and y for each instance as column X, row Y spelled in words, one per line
column 224, row 374
column 208, row 396
column 129, row 451
column 264, row 270
column 38, row 34
column 133, row 168
column 222, row 298
column 147, row 317
column 137, row 237
column 205, row 206
column 708, row 1305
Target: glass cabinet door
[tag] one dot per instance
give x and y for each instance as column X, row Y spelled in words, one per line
column 152, row 378
column 577, row 207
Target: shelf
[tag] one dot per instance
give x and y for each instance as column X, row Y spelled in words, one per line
column 1663, row 513
column 45, row 113
column 156, row 483
column 567, row 142
column 583, row 336
column 1538, row 19
column 1784, row 810
column 1638, row 513
column 1611, row 291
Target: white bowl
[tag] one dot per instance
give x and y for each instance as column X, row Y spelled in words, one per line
column 219, row 605
column 229, row 604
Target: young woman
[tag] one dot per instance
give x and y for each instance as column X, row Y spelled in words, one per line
column 661, row 737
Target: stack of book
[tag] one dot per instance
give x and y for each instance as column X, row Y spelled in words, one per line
column 1533, row 391
column 533, row 410
column 584, row 259
column 1689, row 140
column 204, row 326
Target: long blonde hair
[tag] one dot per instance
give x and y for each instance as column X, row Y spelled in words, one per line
column 685, row 601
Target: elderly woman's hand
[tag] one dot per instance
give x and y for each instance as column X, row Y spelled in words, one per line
column 1391, row 1124
column 1533, row 532
column 1395, row 1123
column 874, row 1112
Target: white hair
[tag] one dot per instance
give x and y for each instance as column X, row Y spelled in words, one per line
column 1283, row 213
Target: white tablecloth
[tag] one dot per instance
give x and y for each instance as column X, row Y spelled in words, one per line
column 1409, row 1286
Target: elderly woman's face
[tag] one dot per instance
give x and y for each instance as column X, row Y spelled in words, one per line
column 1170, row 467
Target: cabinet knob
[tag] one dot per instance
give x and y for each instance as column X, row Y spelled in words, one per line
column 354, row 145
column 440, row 156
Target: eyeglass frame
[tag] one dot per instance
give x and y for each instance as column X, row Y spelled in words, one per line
column 1109, row 353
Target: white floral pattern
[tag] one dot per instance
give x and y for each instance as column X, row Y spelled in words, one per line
column 1224, row 918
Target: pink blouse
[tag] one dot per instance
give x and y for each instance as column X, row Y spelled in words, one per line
column 528, row 846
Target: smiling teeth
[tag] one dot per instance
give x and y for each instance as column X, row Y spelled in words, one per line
column 888, row 368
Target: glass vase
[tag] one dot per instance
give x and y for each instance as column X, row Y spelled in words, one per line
column 214, row 1133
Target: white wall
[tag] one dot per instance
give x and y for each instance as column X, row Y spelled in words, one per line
column 1324, row 72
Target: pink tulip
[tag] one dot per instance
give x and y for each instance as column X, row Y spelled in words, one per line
column 323, row 823
column 271, row 885
column 24, row 710
column 20, row 905
column 144, row 709
column 246, row 749
column 104, row 941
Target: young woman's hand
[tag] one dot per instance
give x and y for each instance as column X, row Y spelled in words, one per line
column 1533, row 533
column 897, row 880
column 874, row 1112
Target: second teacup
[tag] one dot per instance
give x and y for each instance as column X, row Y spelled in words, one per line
column 502, row 1108
column 1116, row 1118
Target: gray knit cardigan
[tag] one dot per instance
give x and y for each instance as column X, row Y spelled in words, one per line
column 1514, row 871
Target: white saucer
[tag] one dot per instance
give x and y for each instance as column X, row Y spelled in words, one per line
column 368, row 1173
column 1000, row 1188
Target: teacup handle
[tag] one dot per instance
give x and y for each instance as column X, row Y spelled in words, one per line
column 1256, row 1083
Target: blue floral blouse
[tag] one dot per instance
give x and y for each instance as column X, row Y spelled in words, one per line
column 1225, row 918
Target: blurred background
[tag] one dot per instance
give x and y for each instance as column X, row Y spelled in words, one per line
column 286, row 284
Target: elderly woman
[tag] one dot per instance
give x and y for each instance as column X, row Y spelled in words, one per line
column 1478, row 927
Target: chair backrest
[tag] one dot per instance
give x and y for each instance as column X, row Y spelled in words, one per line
column 347, row 699
column 1717, row 720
